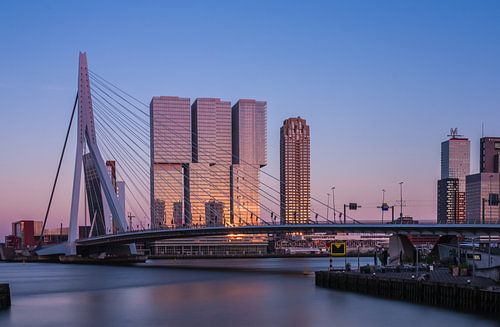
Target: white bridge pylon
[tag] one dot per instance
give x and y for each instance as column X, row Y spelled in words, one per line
column 87, row 136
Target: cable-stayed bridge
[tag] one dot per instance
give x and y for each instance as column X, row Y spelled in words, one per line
column 114, row 125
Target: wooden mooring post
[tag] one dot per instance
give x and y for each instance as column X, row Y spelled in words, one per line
column 4, row 296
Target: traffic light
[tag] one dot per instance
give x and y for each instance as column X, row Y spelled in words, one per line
column 353, row 206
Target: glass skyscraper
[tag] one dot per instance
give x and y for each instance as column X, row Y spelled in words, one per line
column 206, row 157
column 171, row 151
column 249, row 143
column 295, row 172
column 455, row 166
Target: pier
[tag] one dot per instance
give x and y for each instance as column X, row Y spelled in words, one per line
column 457, row 296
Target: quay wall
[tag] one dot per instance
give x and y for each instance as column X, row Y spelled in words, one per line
column 452, row 296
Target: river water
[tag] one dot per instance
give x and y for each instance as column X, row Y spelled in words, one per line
column 229, row 292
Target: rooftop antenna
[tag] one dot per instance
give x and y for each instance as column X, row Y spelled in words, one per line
column 482, row 129
column 454, row 133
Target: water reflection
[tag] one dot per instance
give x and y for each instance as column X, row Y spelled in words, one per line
column 152, row 295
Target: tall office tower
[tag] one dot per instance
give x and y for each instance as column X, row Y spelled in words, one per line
column 108, row 218
column 214, row 213
column 94, row 197
column 171, row 152
column 249, row 148
column 455, row 164
column 482, row 198
column 490, row 155
column 295, row 172
column 209, row 172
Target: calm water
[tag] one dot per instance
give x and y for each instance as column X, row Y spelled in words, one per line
column 247, row 292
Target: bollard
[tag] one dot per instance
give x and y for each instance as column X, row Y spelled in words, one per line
column 4, row 296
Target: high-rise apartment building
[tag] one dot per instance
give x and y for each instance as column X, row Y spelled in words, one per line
column 451, row 201
column 455, row 164
column 490, row 155
column 295, row 172
column 171, row 152
column 249, row 144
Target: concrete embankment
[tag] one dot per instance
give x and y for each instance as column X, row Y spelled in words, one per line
column 453, row 296
column 4, row 296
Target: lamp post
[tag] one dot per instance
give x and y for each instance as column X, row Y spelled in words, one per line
column 401, row 201
column 333, row 204
column 327, row 205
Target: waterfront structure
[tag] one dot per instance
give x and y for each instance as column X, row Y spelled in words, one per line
column 86, row 139
column 490, row 155
column 249, row 154
column 295, row 172
column 216, row 246
column 25, row 231
column 171, row 152
column 482, row 198
column 455, row 166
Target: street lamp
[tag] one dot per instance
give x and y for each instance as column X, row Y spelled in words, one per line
column 327, row 205
column 401, row 201
column 333, row 204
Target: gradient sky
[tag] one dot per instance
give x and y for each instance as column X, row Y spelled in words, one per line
column 379, row 82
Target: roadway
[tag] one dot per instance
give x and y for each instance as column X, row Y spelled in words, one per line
column 405, row 229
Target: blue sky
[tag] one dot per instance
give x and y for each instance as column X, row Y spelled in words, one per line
column 379, row 82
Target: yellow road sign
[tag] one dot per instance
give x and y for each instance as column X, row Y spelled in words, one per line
column 337, row 249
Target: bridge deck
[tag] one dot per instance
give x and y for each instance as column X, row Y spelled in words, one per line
column 414, row 229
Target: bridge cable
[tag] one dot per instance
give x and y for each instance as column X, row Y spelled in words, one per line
column 40, row 241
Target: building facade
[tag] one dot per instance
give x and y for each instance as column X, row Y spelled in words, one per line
column 490, row 155
column 171, row 153
column 455, row 166
column 209, row 173
column 451, row 202
column 295, row 172
column 483, row 190
column 206, row 153
column 249, row 154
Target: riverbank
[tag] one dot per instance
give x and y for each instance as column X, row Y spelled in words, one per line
column 438, row 290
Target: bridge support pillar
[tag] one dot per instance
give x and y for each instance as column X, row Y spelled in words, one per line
column 401, row 250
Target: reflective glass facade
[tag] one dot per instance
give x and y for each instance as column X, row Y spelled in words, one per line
column 249, row 143
column 171, row 151
column 245, row 194
column 250, row 132
column 479, row 188
column 490, row 155
column 193, row 165
column 455, row 165
column 455, row 160
column 209, row 180
column 295, row 172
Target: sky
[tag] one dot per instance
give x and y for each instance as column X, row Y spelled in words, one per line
column 379, row 82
